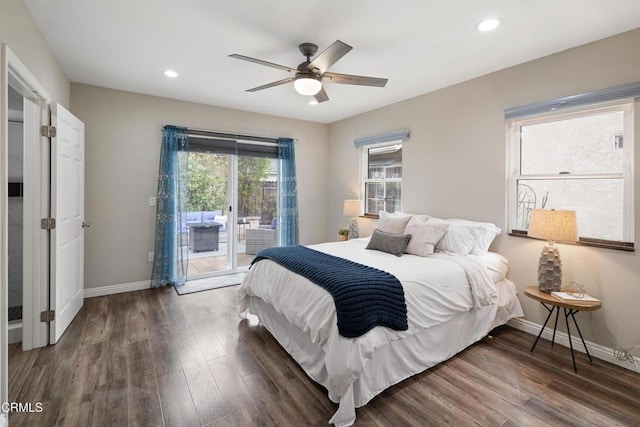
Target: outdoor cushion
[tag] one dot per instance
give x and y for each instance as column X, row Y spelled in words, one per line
column 208, row 216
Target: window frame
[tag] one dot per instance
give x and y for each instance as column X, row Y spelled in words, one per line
column 514, row 125
column 364, row 173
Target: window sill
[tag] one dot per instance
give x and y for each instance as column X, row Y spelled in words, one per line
column 372, row 216
column 585, row 241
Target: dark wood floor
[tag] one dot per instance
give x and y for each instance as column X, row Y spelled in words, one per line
column 155, row 358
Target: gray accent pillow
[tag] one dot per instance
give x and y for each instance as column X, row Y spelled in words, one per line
column 388, row 242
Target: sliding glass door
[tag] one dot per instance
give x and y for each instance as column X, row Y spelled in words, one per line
column 257, row 200
column 232, row 208
column 206, row 224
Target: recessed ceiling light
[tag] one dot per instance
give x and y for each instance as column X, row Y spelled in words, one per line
column 489, row 24
column 171, row 73
column 313, row 102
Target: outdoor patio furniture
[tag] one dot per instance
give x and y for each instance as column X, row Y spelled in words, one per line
column 265, row 236
column 204, row 236
column 242, row 227
column 202, row 217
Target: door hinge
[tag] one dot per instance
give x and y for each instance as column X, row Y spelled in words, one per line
column 48, row 223
column 47, row 316
column 48, row 131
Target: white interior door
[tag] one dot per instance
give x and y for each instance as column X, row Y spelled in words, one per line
column 67, row 208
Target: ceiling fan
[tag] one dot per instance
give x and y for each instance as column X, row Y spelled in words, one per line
column 309, row 75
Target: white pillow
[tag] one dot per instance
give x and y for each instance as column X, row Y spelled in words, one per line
column 485, row 234
column 400, row 213
column 415, row 218
column 424, row 237
column 458, row 240
column 418, row 219
column 497, row 266
column 391, row 223
column 220, row 219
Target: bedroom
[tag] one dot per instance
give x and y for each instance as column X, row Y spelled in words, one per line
column 439, row 147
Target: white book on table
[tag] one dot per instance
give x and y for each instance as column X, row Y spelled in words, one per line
column 565, row 296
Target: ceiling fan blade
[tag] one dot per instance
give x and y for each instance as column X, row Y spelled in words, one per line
column 329, row 56
column 268, row 85
column 261, row 62
column 321, row 96
column 348, row 79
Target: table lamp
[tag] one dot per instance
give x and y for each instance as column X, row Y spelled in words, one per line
column 552, row 226
column 353, row 208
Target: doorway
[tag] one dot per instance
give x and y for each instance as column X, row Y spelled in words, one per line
column 29, row 100
column 232, row 208
column 15, row 209
column 28, row 174
column 49, row 172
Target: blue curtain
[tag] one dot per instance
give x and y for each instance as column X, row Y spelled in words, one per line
column 287, row 194
column 171, row 257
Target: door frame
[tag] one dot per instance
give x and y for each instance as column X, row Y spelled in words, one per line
column 35, row 276
column 36, row 206
column 232, row 231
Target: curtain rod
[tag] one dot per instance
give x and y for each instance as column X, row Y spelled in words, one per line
column 216, row 134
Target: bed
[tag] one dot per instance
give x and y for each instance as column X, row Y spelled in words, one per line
column 452, row 301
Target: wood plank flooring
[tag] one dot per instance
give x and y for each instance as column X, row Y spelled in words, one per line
column 153, row 358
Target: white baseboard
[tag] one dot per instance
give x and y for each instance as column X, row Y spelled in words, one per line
column 116, row 289
column 14, row 334
column 596, row 350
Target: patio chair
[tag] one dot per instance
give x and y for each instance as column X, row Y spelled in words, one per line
column 265, row 236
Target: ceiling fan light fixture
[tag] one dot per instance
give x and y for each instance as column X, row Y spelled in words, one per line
column 308, row 76
column 307, row 85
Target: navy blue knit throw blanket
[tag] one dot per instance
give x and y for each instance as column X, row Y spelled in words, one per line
column 365, row 297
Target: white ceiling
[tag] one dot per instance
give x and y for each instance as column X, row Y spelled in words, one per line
column 420, row 45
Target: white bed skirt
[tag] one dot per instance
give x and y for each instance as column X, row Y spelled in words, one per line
column 395, row 361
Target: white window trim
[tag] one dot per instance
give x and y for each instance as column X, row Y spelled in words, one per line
column 627, row 106
column 364, row 170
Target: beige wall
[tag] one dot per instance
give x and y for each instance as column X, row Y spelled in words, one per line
column 123, row 132
column 455, row 166
column 19, row 31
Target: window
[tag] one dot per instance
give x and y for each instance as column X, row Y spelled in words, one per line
column 382, row 166
column 575, row 160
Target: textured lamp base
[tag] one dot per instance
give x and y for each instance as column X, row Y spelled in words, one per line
column 550, row 269
column 354, row 231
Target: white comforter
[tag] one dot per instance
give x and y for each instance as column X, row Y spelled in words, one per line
column 436, row 289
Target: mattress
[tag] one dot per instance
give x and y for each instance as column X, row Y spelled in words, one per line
column 443, row 293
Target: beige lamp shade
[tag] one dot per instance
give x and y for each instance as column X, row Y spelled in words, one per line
column 352, row 208
column 553, row 226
